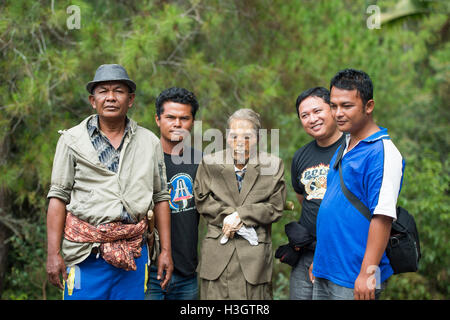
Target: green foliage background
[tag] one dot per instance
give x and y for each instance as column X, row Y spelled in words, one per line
column 257, row 53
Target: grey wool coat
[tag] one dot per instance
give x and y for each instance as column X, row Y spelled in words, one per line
column 259, row 204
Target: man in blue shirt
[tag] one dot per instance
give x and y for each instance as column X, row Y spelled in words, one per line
column 350, row 260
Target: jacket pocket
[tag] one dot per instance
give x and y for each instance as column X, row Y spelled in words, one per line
column 213, row 232
column 263, row 235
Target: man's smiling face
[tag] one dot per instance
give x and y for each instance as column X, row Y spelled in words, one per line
column 317, row 118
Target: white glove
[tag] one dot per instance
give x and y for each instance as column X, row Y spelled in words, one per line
column 224, row 239
column 249, row 234
column 231, row 224
column 232, row 220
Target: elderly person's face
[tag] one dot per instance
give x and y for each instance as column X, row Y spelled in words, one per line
column 242, row 138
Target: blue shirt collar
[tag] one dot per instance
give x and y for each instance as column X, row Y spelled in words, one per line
column 379, row 135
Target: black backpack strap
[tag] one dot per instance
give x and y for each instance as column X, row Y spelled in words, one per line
column 361, row 207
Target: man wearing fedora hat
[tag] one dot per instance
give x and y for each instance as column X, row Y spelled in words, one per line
column 108, row 174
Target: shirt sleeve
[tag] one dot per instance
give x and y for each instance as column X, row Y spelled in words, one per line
column 63, row 172
column 295, row 178
column 384, row 201
column 160, row 191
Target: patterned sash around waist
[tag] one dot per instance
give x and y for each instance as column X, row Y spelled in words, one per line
column 120, row 243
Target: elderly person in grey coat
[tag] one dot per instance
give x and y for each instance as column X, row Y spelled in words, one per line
column 240, row 201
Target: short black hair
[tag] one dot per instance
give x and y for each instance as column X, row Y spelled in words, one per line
column 320, row 92
column 351, row 79
column 179, row 95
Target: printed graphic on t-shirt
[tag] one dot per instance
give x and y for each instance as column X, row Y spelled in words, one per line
column 315, row 181
column 180, row 189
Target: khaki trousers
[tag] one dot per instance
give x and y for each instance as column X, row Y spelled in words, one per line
column 231, row 285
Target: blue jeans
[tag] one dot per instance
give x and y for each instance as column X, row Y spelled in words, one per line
column 300, row 286
column 178, row 288
column 324, row 289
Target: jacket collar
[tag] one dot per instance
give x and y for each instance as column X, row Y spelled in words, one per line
column 93, row 125
column 78, row 139
column 229, row 175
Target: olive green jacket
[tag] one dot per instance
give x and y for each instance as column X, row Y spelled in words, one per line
column 97, row 195
column 259, row 204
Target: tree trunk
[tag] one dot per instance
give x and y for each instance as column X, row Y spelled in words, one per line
column 4, row 235
column 4, row 209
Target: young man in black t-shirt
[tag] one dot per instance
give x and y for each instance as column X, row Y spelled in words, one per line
column 175, row 114
column 309, row 175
